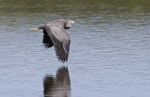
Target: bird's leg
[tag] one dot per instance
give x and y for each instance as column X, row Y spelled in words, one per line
column 34, row 29
column 40, row 27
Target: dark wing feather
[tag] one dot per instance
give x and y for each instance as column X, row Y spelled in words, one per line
column 46, row 40
column 61, row 41
column 60, row 51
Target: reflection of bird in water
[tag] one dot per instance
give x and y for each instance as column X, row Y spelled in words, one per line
column 55, row 34
column 59, row 86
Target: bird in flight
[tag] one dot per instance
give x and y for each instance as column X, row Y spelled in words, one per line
column 54, row 34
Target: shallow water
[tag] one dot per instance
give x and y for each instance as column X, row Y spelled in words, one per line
column 109, row 54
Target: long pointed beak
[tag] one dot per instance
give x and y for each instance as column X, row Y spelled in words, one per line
column 34, row 29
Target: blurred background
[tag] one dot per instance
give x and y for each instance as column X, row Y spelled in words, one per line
column 109, row 53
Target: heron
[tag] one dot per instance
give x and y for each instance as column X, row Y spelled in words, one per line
column 54, row 34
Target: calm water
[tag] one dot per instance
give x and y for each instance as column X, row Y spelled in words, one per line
column 109, row 54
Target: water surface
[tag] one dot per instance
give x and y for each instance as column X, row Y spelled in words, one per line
column 109, row 54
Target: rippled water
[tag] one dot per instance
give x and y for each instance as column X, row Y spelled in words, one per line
column 109, row 54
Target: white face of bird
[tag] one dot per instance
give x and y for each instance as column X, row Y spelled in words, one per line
column 71, row 21
column 69, row 24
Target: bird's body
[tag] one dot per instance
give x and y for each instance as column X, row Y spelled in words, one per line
column 54, row 34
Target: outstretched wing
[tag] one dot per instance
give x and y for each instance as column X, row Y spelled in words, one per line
column 61, row 41
column 46, row 40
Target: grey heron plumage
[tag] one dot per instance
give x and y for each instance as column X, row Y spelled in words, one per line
column 54, row 34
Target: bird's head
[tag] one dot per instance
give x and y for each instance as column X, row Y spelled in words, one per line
column 68, row 23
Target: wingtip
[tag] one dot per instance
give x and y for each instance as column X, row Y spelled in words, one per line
column 62, row 60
